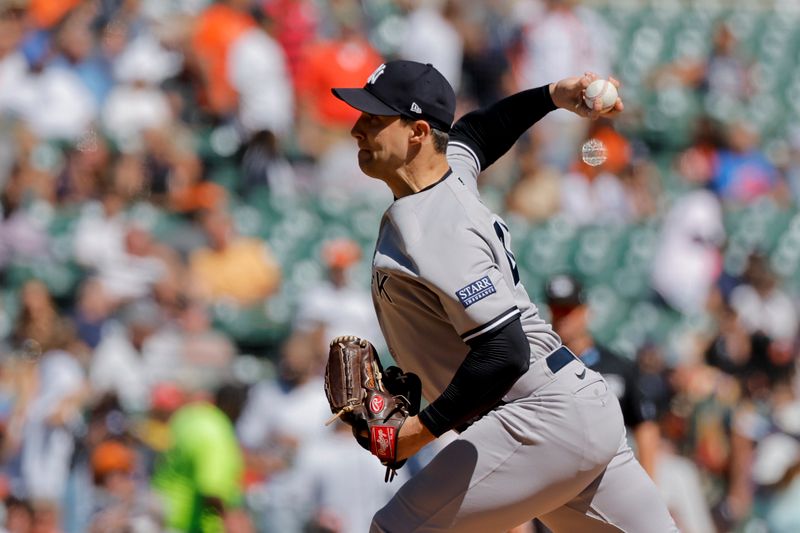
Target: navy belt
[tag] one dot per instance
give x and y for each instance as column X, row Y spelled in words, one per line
column 559, row 359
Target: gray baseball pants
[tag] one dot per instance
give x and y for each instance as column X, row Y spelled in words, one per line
column 558, row 453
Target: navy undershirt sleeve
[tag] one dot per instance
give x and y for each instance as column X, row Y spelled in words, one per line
column 493, row 130
column 492, row 366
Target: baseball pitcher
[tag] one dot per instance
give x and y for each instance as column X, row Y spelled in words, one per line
column 541, row 435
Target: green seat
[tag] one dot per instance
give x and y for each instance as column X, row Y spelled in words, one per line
column 598, row 251
column 608, row 311
column 548, row 248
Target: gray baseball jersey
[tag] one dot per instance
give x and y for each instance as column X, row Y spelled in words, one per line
column 444, row 274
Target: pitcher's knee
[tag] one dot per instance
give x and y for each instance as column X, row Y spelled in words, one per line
column 376, row 527
column 382, row 523
column 395, row 517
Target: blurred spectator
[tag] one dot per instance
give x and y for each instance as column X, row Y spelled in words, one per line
column 653, row 377
column 761, row 303
column 687, row 260
column 131, row 177
column 143, row 265
column 216, row 30
column 294, row 24
column 13, row 66
column 201, row 474
column 100, row 230
column 76, row 50
column 677, row 477
column 681, row 486
column 32, row 175
column 234, row 269
column 243, row 69
column 23, row 235
column 258, row 72
column 153, row 429
column 18, row 516
column 136, row 102
column 591, row 195
column 92, row 311
column 777, row 462
column 50, row 423
column 85, row 167
column 206, row 354
column 135, row 355
column 176, row 175
column 698, row 163
column 39, row 318
column 346, row 482
column 323, row 121
column 727, row 74
column 431, row 37
column 554, row 47
column 776, row 468
column 731, row 350
column 337, row 306
column 743, row 172
column 718, row 432
column 190, row 191
column 642, row 180
column 488, row 32
column 536, row 195
column 55, row 103
column 104, row 420
column 274, row 430
column 121, row 503
column 724, row 77
column 570, row 319
column 45, row 14
column 347, row 58
column 263, row 165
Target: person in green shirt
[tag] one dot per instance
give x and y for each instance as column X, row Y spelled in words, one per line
column 199, row 477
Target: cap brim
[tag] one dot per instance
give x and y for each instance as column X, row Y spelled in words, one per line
column 363, row 100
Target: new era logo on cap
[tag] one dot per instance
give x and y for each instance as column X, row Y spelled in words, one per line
column 407, row 88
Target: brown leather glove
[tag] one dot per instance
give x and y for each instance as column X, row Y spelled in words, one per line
column 357, row 394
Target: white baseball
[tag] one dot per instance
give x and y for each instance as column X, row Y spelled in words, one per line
column 603, row 89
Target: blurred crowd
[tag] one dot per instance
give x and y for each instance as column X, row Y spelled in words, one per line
column 184, row 227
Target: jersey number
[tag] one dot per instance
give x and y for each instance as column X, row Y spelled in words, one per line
column 505, row 238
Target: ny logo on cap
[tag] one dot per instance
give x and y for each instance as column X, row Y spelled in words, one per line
column 375, row 75
column 415, row 108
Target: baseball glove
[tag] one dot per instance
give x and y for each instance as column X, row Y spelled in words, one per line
column 360, row 395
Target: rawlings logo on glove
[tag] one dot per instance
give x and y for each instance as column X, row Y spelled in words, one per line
column 373, row 402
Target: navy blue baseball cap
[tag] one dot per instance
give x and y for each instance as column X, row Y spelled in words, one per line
column 563, row 291
column 405, row 88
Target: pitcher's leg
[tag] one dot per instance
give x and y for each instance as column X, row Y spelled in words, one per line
column 495, row 490
column 523, row 460
column 622, row 498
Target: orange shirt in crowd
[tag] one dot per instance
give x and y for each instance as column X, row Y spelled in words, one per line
column 47, row 13
column 197, row 197
column 216, row 30
column 618, row 151
column 245, row 271
column 335, row 64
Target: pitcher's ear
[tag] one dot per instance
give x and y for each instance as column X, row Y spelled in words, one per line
column 419, row 130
